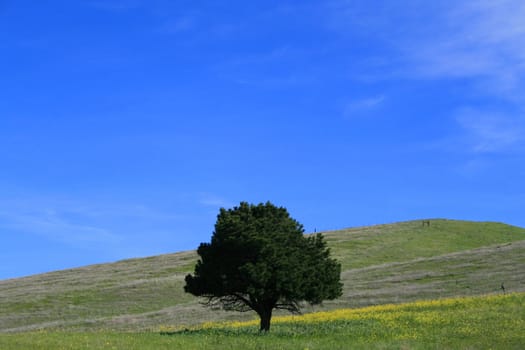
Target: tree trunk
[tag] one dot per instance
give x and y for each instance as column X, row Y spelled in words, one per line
column 266, row 316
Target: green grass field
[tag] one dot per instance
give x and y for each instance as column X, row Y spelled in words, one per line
column 483, row 322
column 123, row 305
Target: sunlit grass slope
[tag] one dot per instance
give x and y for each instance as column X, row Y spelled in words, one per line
column 482, row 322
column 381, row 264
column 372, row 245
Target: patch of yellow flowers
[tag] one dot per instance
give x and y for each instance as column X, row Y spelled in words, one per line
column 398, row 317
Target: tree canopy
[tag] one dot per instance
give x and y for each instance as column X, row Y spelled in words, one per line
column 259, row 259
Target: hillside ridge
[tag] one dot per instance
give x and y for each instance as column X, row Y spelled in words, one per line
column 386, row 263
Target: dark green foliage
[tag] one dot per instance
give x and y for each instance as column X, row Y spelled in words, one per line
column 260, row 260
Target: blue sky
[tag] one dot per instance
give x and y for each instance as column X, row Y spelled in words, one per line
column 126, row 124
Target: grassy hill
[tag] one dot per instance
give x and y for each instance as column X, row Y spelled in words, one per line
column 381, row 264
column 481, row 322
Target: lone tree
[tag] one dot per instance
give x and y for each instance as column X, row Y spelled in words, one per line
column 260, row 260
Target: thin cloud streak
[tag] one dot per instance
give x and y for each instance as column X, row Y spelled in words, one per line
column 479, row 44
column 481, row 40
column 477, row 40
column 77, row 223
column 51, row 225
column 114, row 5
column 211, row 200
column 480, row 132
column 487, row 132
column 364, row 104
column 179, row 25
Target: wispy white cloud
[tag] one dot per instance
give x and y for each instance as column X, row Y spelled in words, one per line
column 480, row 132
column 54, row 226
column 78, row 223
column 212, row 200
column 114, row 5
column 479, row 44
column 179, row 25
column 488, row 132
column 270, row 56
column 266, row 68
column 473, row 167
column 482, row 40
column 362, row 105
column 284, row 81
